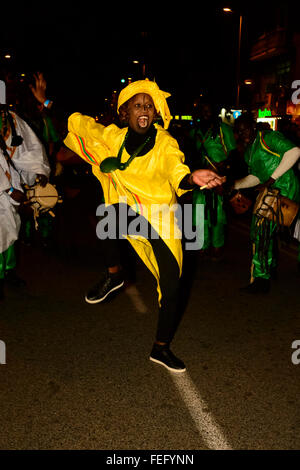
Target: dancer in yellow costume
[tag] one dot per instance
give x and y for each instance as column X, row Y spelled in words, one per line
column 142, row 166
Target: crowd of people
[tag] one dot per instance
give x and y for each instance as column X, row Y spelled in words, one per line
column 136, row 164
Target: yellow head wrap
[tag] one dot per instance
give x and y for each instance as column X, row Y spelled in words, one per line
column 152, row 89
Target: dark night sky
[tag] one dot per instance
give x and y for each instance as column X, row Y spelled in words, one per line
column 84, row 63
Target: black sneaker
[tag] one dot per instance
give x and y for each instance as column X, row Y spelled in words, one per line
column 259, row 286
column 163, row 356
column 101, row 291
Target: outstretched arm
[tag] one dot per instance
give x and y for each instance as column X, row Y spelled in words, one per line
column 288, row 161
column 206, row 179
column 249, row 181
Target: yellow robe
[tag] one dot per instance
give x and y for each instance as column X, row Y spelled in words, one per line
column 149, row 181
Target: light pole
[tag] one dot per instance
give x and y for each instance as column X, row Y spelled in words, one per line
column 238, row 69
column 239, row 64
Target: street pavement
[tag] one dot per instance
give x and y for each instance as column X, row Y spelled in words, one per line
column 79, row 376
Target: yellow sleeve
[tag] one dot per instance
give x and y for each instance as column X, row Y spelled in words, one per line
column 173, row 164
column 88, row 138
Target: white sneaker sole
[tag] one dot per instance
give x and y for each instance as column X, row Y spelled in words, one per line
column 167, row 367
column 94, row 302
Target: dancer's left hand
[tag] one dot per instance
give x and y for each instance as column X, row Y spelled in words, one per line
column 207, row 178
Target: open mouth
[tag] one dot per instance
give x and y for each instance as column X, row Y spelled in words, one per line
column 143, row 121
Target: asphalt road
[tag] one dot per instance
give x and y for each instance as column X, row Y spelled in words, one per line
column 78, row 376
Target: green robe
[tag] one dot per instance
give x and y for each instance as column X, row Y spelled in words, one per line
column 263, row 157
column 216, row 150
column 7, row 261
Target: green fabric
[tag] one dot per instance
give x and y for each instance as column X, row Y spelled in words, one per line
column 214, row 236
column 263, row 157
column 49, row 132
column 45, row 227
column 214, row 230
column 262, row 162
column 263, row 261
column 7, row 261
column 229, row 139
column 217, row 150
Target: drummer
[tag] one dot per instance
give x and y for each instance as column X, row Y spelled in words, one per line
column 22, row 161
column 270, row 158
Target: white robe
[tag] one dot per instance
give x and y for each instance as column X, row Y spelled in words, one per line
column 29, row 159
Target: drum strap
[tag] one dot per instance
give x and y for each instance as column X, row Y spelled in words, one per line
column 277, row 215
column 263, row 233
column 265, row 229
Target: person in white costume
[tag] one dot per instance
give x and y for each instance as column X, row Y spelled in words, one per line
column 22, row 161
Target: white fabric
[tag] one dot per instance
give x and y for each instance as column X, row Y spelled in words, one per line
column 248, row 182
column 29, row 160
column 288, row 161
column 10, row 223
column 297, row 230
column 4, row 182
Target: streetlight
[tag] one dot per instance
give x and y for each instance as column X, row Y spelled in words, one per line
column 238, row 72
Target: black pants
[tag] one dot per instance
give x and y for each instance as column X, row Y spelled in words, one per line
column 169, row 312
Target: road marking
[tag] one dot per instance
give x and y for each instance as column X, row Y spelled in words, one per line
column 205, row 423
column 136, row 298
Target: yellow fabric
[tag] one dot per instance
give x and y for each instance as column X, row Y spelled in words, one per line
column 152, row 89
column 150, row 180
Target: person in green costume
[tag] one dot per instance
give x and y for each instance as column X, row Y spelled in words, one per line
column 210, row 143
column 270, row 157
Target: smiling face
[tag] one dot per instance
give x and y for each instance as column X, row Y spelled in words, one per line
column 141, row 113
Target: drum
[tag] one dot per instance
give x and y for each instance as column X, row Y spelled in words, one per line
column 42, row 199
column 272, row 206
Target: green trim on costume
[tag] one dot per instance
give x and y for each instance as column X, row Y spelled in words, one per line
column 265, row 147
column 8, row 261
